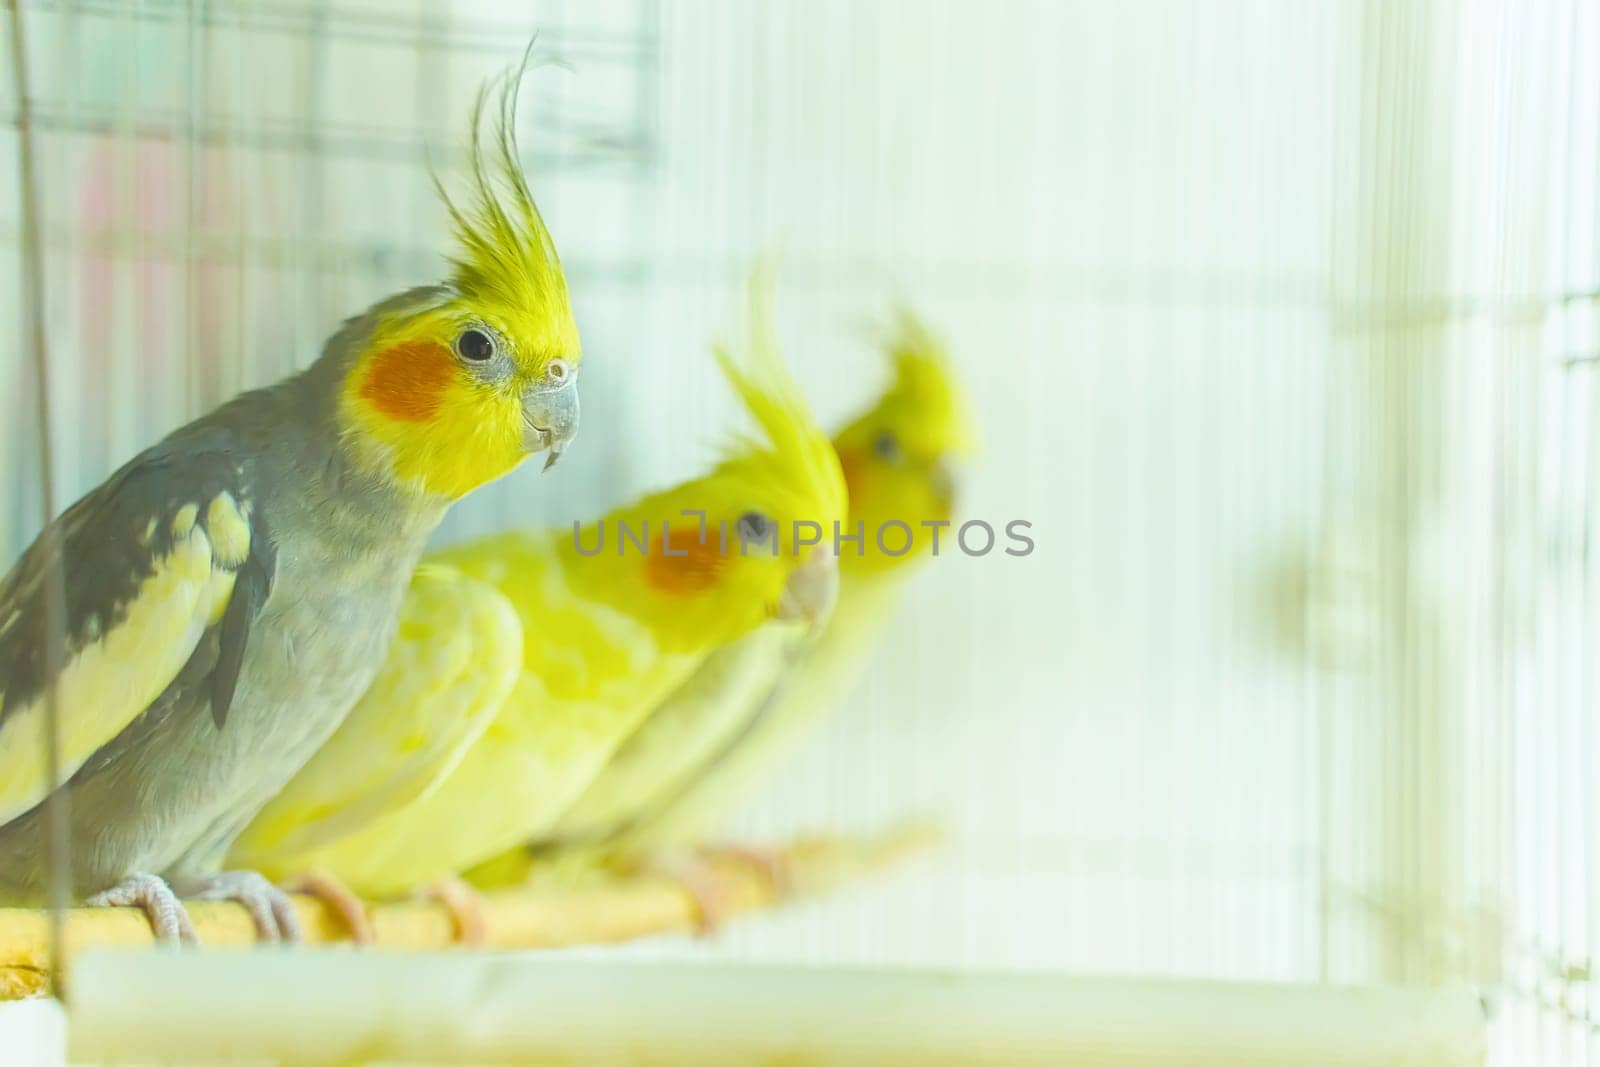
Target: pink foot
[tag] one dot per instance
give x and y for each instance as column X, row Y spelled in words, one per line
column 693, row 872
column 337, row 898
column 771, row 862
column 169, row 920
column 465, row 906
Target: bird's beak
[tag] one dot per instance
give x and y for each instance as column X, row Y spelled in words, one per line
column 942, row 481
column 812, row 587
column 551, row 416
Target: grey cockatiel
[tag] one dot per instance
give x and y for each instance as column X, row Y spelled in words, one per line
column 230, row 592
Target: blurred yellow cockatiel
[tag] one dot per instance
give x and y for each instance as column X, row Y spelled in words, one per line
column 456, row 755
column 683, row 771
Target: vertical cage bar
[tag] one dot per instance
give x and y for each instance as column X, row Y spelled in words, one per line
column 53, row 621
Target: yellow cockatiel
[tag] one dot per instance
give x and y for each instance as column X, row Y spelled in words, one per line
column 450, row 760
column 683, row 771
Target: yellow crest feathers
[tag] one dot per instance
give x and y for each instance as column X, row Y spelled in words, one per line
column 505, row 255
column 768, row 391
column 925, row 384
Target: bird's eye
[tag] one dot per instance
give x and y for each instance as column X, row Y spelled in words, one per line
column 475, row 345
column 887, row 447
column 557, row 371
column 754, row 526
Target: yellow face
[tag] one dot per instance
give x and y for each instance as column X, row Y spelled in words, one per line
column 763, row 551
column 750, row 541
column 889, row 484
column 899, row 458
column 447, row 398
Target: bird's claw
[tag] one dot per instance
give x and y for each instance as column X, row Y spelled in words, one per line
column 465, row 906
column 270, row 908
column 337, row 898
column 772, row 864
column 700, row 873
column 694, row 873
column 169, row 919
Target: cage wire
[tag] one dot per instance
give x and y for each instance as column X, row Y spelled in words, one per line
column 1281, row 326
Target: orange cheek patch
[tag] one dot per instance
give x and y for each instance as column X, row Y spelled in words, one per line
column 408, row 381
column 696, row 570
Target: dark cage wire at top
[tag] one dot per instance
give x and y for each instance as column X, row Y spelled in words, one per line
column 1278, row 323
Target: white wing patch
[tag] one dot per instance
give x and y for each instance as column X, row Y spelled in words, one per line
column 229, row 526
column 118, row 670
column 455, row 658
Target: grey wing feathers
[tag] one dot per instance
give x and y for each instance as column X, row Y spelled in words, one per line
column 250, row 590
column 115, row 538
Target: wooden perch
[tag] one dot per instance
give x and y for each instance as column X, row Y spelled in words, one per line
column 607, row 911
